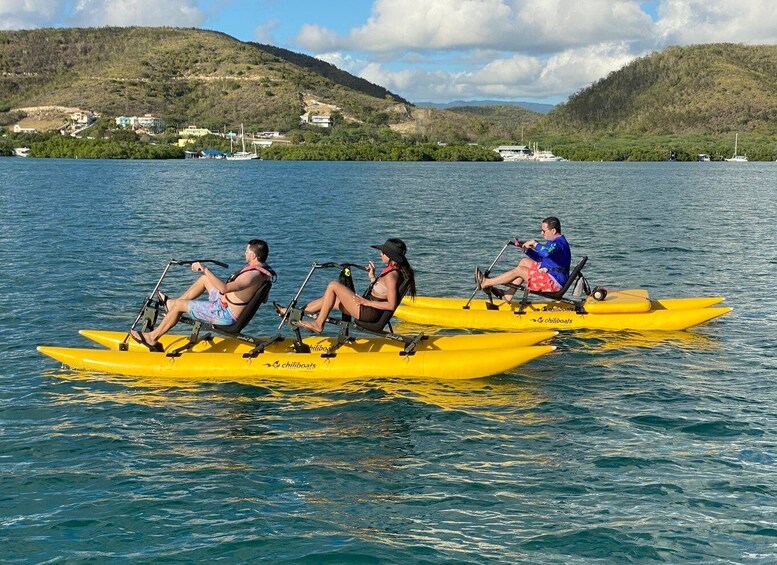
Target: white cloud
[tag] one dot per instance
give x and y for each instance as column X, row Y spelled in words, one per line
column 522, row 48
column 518, row 69
column 29, row 14
column 174, row 13
column 572, row 70
column 507, row 25
column 561, row 24
column 516, row 76
column 684, row 22
column 317, row 38
column 342, row 61
column 264, row 33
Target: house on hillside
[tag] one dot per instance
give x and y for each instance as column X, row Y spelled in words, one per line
column 150, row 123
column 127, row 122
column 317, row 120
column 19, row 129
column 82, row 119
column 194, row 131
column 147, row 122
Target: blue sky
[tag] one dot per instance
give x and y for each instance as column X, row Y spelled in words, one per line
column 442, row 50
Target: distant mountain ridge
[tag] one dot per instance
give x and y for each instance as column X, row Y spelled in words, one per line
column 533, row 106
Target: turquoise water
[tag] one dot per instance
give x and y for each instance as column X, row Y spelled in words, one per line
column 616, row 448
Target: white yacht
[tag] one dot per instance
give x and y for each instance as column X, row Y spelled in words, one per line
column 515, row 152
column 703, row 157
column 22, row 151
column 737, row 158
column 545, row 156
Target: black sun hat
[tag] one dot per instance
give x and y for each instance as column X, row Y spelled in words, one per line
column 394, row 249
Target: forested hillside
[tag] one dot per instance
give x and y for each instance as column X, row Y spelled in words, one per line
column 681, row 101
column 701, row 89
column 191, row 76
column 182, row 75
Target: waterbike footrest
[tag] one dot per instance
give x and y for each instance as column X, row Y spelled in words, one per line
column 411, row 345
column 259, row 349
column 187, row 346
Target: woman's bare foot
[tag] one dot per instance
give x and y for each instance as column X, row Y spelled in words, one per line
column 280, row 309
column 309, row 326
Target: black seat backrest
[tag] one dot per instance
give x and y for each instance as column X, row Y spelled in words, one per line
column 259, row 298
column 573, row 276
column 381, row 322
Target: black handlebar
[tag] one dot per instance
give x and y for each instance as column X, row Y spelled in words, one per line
column 332, row 265
column 219, row 263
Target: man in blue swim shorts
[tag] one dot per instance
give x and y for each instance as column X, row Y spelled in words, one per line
column 226, row 300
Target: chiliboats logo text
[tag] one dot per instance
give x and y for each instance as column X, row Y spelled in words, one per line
column 292, row 365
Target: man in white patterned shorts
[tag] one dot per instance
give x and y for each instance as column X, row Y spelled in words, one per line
column 226, row 300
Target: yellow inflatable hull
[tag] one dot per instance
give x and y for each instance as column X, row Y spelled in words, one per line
column 621, row 310
column 204, row 365
column 439, row 357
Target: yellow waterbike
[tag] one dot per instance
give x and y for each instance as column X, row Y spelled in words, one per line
column 214, row 352
column 583, row 308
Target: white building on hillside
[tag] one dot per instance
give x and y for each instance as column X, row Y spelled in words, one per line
column 317, row 120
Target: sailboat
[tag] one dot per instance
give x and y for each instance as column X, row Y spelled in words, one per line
column 737, row 158
column 241, row 155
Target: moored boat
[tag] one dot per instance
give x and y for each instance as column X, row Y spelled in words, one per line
column 241, row 155
column 511, row 153
column 736, row 157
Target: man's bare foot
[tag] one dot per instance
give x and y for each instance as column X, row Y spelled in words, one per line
column 153, row 346
column 481, row 280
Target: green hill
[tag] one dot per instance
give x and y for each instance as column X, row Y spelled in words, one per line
column 702, row 89
column 683, row 100
column 181, row 75
column 192, row 76
column 507, row 117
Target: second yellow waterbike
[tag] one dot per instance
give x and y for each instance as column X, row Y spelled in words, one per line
column 586, row 308
column 213, row 352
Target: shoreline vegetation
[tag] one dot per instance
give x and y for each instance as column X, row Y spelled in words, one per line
column 589, row 148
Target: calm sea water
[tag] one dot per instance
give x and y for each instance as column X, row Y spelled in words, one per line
column 616, row 448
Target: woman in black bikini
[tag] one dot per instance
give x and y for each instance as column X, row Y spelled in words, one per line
column 383, row 295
